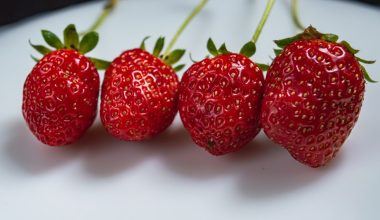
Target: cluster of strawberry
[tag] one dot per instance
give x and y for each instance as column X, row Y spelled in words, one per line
column 308, row 102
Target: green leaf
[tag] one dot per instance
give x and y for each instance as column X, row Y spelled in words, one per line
column 100, row 64
column 71, row 37
column 142, row 45
column 286, row 41
column 365, row 61
column 277, row 51
column 263, row 67
column 158, row 46
column 330, row 37
column 211, row 47
column 223, row 49
column 367, row 77
column 40, row 48
column 52, row 39
column 349, row 47
column 179, row 67
column 34, row 58
column 248, row 49
column 174, row 56
column 88, row 42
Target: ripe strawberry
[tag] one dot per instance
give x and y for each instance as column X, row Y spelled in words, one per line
column 220, row 98
column 140, row 90
column 60, row 94
column 313, row 95
column 140, row 93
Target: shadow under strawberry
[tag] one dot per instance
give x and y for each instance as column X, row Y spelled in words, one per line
column 106, row 156
column 272, row 173
column 257, row 168
column 32, row 157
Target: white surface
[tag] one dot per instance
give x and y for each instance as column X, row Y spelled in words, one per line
column 169, row 177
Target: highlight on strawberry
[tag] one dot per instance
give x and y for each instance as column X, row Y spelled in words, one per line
column 140, row 89
column 60, row 93
column 220, row 97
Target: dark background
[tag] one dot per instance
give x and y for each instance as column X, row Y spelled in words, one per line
column 14, row 10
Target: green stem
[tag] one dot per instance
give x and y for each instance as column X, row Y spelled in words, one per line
column 295, row 16
column 108, row 8
column 196, row 10
column 262, row 21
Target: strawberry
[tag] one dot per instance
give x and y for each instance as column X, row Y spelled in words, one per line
column 140, row 89
column 313, row 95
column 219, row 101
column 60, row 94
column 220, row 97
column 139, row 95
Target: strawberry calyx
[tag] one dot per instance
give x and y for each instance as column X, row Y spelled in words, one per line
column 169, row 56
column 247, row 50
column 312, row 33
column 172, row 58
column 214, row 51
column 71, row 40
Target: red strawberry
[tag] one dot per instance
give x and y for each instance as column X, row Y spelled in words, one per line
column 219, row 101
column 313, row 95
column 60, row 94
column 140, row 93
column 140, row 90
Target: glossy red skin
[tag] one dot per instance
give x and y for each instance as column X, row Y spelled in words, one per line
column 314, row 92
column 139, row 96
column 219, row 102
column 60, row 97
